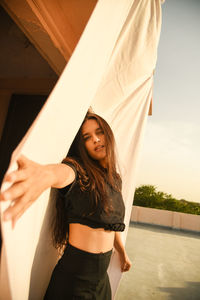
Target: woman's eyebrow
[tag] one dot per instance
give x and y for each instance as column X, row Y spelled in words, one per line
column 88, row 133
column 84, row 134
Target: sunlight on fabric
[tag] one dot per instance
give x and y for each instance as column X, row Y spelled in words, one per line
column 111, row 68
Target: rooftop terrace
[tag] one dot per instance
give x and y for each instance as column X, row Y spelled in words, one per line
column 165, row 265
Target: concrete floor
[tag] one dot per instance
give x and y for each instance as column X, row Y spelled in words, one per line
column 165, row 265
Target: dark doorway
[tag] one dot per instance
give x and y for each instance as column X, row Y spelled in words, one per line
column 22, row 111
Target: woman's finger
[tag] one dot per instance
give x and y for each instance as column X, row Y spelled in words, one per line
column 126, row 265
column 21, row 173
column 16, row 176
column 22, row 161
column 125, row 268
column 15, row 191
column 17, row 208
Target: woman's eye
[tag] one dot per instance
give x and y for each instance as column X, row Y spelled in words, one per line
column 86, row 138
column 100, row 132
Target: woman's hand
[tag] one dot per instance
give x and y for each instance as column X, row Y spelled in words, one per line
column 27, row 184
column 125, row 262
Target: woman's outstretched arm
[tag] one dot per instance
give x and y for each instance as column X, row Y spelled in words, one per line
column 29, row 181
column 124, row 260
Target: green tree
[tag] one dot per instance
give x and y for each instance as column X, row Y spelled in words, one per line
column 148, row 196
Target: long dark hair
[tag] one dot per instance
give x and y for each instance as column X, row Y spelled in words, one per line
column 91, row 176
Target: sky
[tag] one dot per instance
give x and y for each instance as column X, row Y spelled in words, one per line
column 170, row 158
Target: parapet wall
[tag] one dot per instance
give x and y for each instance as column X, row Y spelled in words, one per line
column 171, row 219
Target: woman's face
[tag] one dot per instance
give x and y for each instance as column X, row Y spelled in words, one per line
column 94, row 140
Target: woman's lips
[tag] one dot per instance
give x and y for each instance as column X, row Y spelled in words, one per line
column 99, row 148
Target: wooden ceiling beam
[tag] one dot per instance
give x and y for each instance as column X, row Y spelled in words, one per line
column 63, row 20
column 53, row 27
column 27, row 21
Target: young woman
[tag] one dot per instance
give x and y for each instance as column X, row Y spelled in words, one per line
column 89, row 210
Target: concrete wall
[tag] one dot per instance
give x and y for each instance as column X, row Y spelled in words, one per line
column 166, row 218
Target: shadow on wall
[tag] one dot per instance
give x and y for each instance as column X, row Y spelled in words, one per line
column 191, row 291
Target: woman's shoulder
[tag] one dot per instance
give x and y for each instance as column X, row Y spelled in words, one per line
column 73, row 163
column 78, row 167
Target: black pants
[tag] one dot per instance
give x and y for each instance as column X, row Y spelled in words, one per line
column 80, row 275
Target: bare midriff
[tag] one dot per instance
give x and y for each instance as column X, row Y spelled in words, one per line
column 94, row 240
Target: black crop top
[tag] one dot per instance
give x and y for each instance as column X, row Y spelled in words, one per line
column 78, row 207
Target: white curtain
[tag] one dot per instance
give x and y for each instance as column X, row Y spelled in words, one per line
column 110, row 69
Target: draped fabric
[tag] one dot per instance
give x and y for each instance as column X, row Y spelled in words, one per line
column 112, row 70
column 124, row 95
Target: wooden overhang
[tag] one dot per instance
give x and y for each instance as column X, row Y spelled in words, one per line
column 53, row 27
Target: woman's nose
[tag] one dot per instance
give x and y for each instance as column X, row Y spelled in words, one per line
column 96, row 139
